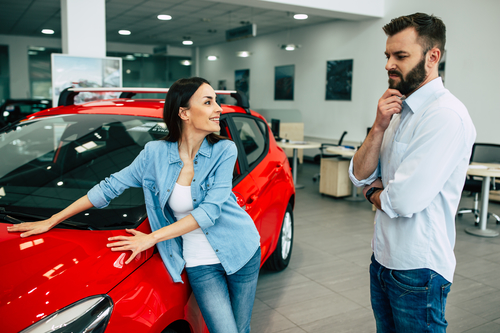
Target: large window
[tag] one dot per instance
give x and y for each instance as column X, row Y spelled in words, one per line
column 40, row 71
column 139, row 70
column 158, row 71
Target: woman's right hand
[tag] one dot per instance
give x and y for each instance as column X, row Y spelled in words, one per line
column 32, row 228
column 35, row 228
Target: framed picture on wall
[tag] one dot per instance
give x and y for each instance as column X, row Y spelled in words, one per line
column 283, row 82
column 242, row 81
column 338, row 80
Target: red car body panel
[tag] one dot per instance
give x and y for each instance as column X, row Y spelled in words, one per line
column 45, row 273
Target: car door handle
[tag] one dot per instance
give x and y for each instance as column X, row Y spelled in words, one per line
column 250, row 201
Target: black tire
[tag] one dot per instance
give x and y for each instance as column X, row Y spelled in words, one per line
column 280, row 258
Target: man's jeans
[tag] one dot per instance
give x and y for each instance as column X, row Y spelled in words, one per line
column 225, row 301
column 408, row 301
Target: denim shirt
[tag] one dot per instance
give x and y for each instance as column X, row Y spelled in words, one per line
column 229, row 229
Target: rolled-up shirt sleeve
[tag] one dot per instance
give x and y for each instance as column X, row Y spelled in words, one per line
column 363, row 182
column 219, row 190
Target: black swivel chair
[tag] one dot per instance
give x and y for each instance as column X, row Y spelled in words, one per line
column 322, row 151
column 481, row 153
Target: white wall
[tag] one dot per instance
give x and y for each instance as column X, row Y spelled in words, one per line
column 472, row 68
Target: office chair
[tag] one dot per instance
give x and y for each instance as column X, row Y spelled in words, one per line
column 322, row 153
column 481, row 153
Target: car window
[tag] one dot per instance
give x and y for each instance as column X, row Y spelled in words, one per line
column 50, row 162
column 251, row 135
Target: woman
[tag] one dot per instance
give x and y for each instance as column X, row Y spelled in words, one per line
column 196, row 222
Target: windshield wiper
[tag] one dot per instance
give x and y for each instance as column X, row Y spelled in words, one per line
column 6, row 216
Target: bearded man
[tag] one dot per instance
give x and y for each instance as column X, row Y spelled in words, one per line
column 413, row 165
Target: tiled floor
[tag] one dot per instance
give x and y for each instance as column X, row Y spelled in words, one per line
column 326, row 286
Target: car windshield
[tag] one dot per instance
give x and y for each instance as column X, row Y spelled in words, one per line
column 48, row 163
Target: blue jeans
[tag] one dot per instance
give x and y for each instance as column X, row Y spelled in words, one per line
column 408, row 301
column 225, row 301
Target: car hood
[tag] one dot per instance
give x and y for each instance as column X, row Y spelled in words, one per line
column 44, row 273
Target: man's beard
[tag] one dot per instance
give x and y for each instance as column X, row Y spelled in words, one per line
column 413, row 79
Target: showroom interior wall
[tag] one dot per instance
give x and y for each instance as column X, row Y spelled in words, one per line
column 18, row 57
column 471, row 73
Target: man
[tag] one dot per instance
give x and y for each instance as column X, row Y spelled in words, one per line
column 413, row 166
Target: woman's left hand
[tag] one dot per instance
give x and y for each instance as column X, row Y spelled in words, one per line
column 137, row 243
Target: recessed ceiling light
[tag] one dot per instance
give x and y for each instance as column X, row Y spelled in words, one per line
column 243, row 54
column 186, row 62
column 187, row 42
column 212, row 58
column 300, row 16
column 48, row 31
column 164, row 17
column 124, row 32
column 289, row 47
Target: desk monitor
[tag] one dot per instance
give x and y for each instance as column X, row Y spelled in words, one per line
column 275, row 127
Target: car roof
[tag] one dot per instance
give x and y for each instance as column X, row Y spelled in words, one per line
column 127, row 107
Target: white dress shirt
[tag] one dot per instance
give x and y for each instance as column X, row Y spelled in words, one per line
column 423, row 163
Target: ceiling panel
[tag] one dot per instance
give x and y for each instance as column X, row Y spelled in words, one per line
column 190, row 18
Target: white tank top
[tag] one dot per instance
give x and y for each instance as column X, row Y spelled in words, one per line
column 196, row 249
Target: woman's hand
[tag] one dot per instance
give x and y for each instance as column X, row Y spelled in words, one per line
column 137, row 243
column 32, row 228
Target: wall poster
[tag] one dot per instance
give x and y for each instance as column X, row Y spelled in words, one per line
column 242, row 81
column 283, row 82
column 339, row 80
column 84, row 72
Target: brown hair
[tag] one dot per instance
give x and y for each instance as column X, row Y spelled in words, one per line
column 430, row 29
column 178, row 96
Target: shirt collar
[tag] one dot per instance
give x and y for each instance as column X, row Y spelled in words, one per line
column 205, row 150
column 419, row 97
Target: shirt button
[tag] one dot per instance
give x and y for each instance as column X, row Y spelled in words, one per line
column 194, row 180
column 180, row 163
column 168, row 190
column 170, row 256
column 195, row 162
column 206, row 233
column 194, row 199
column 216, row 250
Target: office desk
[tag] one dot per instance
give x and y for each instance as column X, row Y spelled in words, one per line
column 485, row 170
column 295, row 145
column 348, row 154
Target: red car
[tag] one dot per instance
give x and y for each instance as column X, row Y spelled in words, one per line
column 67, row 280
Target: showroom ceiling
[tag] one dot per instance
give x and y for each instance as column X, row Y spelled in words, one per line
column 205, row 22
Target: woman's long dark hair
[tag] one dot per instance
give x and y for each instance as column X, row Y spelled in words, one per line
column 178, row 96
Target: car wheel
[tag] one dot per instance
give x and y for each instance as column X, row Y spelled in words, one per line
column 281, row 256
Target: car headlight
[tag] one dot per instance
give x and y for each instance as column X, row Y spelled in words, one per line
column 89, row 315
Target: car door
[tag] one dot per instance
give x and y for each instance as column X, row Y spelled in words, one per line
column 261, row 172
